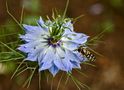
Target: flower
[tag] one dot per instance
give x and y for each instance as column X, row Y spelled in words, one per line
column 53, row 44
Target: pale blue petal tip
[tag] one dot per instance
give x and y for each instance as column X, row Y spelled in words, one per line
column 40, row 21
column 54, row 70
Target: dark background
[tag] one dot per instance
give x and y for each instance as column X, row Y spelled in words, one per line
column 98, row 16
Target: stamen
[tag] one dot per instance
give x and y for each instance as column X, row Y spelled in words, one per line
column 54, row 42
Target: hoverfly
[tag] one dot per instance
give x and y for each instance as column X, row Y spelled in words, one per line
column 87, row 53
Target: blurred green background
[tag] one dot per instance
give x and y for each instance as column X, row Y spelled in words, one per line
column 99, row 15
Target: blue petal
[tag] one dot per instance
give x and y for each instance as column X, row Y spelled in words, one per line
column 67, row 64
column 29, row 28
column 35, row 31
column 75, row 64
column 23, row 48
column 28, row 37
column 29, row 47
column 33, row 56
column 58, row 62
column 70, row 45
column 54, row 70
column 67, row 31
column 69, row 26
column 46, row 63
column 79, row 38
column 70, row 61
column 40, row 21
column 41, row 55
column 42, row 24
column 72, row 56
column 60, row 51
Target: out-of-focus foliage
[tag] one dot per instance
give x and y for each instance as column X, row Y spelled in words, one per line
column 31, row 5
column 31, row 20
column 108, row 25
column 117, row 3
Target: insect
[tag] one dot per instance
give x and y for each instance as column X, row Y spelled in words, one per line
column 87, row 53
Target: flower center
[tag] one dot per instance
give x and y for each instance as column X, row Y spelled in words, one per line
column 54, row 42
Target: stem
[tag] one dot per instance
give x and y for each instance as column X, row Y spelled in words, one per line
column 66, row 7
column 12, row 16
column 22, row 12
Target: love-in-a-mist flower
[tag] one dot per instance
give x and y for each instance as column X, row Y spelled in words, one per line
column 53, row 44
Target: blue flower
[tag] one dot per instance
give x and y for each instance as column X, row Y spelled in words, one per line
column 52, row 44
